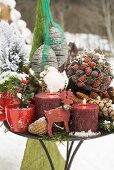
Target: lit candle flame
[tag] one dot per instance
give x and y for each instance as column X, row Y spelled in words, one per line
column 84, row 101
column 51, row 89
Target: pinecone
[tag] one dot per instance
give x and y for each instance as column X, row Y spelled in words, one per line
column 82, row 96
column 94, row 95
column 111, row 93
column 105, row 108
column 39, row 127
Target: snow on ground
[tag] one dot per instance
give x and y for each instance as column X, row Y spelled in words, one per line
column 11, row 150
column 88, row 41
column 95, row 154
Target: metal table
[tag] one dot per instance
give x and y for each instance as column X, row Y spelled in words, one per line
column 70, row 143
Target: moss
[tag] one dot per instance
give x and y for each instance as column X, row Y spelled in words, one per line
column 38, row 29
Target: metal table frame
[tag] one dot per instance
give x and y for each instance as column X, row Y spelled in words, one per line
column 70, row 154
column 69, row 157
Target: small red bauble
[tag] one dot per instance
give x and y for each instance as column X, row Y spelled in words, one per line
column 25, row 81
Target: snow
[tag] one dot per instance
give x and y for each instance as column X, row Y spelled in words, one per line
column 85, row 134
column 11, row 150
column 88, row 41
column 13, row 49
column 10, row 3
column 95, row 154
column 15, row 15
column 19, row 24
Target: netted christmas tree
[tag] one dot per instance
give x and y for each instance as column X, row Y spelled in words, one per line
column 14, row 53
column 51, row 36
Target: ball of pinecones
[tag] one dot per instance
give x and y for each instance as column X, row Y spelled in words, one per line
column 39, row 127
column 90, row 71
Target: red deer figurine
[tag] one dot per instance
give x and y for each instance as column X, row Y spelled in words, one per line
column 57, row 115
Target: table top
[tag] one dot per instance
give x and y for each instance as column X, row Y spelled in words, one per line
column 57, row 136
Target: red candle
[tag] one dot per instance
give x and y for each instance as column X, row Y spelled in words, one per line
column 46, row 101
column 85, row 117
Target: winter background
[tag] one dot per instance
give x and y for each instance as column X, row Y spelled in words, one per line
column 95, row 154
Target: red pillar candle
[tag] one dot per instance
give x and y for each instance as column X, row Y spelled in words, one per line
column 46, row 101
column 85, row 117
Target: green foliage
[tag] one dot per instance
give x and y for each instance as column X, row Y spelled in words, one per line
column 10, row 85
column 106, row 126
column 26, row 88
column 38, row 30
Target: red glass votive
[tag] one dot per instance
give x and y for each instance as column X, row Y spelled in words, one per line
column 85, row 117
column 46, row 101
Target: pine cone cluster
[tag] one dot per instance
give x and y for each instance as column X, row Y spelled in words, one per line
column 111, row 93
column 39, row 127
column 82, row 96
column 91, row 71
column 105, row 108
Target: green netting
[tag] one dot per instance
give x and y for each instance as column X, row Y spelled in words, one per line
column 47, row 38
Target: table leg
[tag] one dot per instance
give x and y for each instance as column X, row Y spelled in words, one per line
column 47, row 153
column 68, row 153
column 70, row 159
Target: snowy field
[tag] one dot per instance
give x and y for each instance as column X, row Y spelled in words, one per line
column 88, row 41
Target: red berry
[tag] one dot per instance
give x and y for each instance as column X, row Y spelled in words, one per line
column 73, row 78
column 83, row 66
column 103, row 88
column 92, row 64
column 75, row 67
column 82, row 78
column 96, row 83
column 101, row 75
column 88, row 71
column 87, row 59
column 108, row 79
column 24, row 81
column 80, row 84
column 109, row 70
